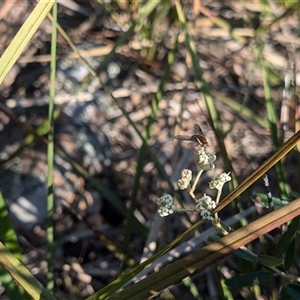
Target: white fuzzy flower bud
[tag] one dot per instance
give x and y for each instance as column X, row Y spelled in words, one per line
column 205, row 203
column 165, row 205
column 184, row 181
column 219, row 181
column 205, row 214
column 206, row 160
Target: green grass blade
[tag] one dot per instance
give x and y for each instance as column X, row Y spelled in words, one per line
column 209, row 254
column 7, row 232
column 273, row 121
column 286, row 238
column 50, row 155
column 203, row 88
column 9, row 237
column 242, row 110
column 291, row 10
column 112, row 287
column 22, row 276
column 260, row 171
column 142, row 153
column 23, row 36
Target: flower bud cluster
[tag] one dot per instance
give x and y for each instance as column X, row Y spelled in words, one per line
column 219, row 181
column 165, row 205
column 204, row 206
column 206, row 160
column 184, row 181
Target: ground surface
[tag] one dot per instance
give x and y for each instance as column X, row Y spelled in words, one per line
column 94, row 132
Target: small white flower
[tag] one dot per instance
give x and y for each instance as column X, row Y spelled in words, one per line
column 219, row 181
column 206, row 160
column 205, row 214
column 225, row 177
column 186, row 174
column 210, row 167
column 205, row 203
column 165, row 200
column 206, row 198
column 182, row 184
column 211, row 157
column 165, row 205
column 184, row 181
column 199, row 207
column 163, row 211
column 211, row 205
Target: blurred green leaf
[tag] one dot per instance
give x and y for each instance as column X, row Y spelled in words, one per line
column 286, row 238
column 7, row 233
column 294, row 195
column 242, row 254
column 22, row 276
column 290, row 291
column 261, row 198
column 269, row 261
column 9, row 238
column 248, row 279
column 289, row 255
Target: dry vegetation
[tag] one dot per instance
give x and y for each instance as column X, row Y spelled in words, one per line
column 94, row 132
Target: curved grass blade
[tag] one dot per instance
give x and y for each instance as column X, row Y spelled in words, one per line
column 9, row 237
column 22, row 38
column 22, row 276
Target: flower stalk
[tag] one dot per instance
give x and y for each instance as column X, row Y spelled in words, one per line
column 203, row 205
